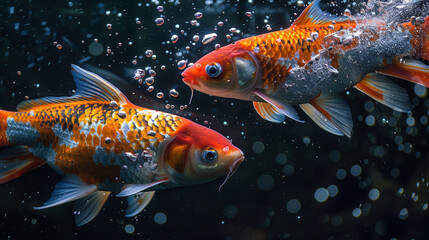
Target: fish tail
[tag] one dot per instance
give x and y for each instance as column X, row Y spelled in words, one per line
column 420, row 36
column 15, row 160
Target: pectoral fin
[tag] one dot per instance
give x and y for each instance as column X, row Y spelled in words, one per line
column 87, row 208
column 137, row 202
column 268, row 112
column 383, row 90
column 331, row 113
column 284, row 108
column 70, row 188
column 130, row 189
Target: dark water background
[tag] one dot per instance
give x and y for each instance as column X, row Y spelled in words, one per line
column 297, row 159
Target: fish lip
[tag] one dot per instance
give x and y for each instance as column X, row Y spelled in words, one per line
column 188, row 80
column 236, row 163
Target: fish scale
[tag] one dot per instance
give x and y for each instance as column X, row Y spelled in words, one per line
column 270, row 47
column 76, row 129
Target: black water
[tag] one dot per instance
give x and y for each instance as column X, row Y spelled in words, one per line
column 266, row 198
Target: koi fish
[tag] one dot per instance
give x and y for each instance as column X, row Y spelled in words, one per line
column 312, row 61
column 102, row 143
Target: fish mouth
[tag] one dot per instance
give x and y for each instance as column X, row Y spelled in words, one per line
column 236, row 163
column 188, row 80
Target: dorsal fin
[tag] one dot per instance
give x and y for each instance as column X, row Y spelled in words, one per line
column 313, row 15
column 89, row 87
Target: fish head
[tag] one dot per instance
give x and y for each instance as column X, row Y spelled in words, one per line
column 231, row 71
column 197, row 154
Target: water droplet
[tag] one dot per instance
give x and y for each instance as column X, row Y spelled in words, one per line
column 196, row 38
column 209, row 38
column 374, row 194
column 149, row 53
column 139, row 74
column 198, row 15
column 150, row 88
column 249, row 14
column 160, row 218
column 109, row 26
column 174, row 38
column 114, row 104
column 182, row 64
column 357, row 212
column 321, row 195
column 160, row 8
column 159, row 21
column 174, row 93
column 160, row 95
column 293, row 206
column 122, row 114
column 149, row 81
column 129, row 228
column 258, row 147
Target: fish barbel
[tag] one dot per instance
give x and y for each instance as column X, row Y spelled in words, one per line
column 312, row 61
column 102, row 143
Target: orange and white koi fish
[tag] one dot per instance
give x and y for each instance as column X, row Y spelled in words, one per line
column 102, row 143
column 309, row 63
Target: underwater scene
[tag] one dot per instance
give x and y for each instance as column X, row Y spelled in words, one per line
column 214, row 119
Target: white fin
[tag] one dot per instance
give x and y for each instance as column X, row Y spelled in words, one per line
column 88, row 207
column 89, row 87
column 268, row 112
column 313, row 15
column 131, row 189
column 383, row 90
column 283, row 108
column 331, row 113
column 137, row 202
column 70, row 188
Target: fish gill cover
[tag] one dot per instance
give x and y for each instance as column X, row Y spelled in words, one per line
column 298, row 182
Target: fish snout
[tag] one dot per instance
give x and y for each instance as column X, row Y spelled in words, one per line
column 188, row 79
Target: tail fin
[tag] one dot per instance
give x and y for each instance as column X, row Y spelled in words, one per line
column 16, row 161
column 420, row 32
column 3, row 126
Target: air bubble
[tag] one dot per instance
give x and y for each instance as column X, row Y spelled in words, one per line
column 159, row 21
column 149, row 53
column 160, row 95
column 198, row 15
column 209, row 38
column 181, row 64
column 149, row 81
column 174, row 38
column 174, row 93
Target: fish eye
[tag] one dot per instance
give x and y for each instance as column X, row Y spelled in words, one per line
column 213, row 69
column 209, row 155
